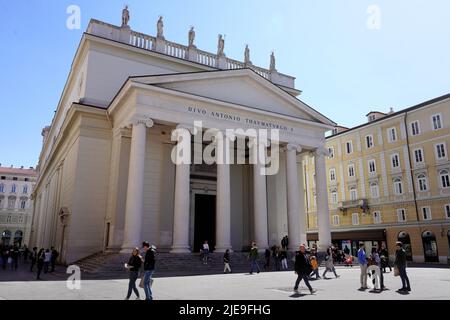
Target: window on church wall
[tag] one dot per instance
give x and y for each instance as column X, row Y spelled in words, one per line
column 351, row 170
column 355, row 219
column 353, row 194
column 418, row 155
column 369, row 141
column 332, row 175
column 372, row 166
column 334, row 197
column 447, row 211
column 349, row 147
column 392, row 134
column 2, row 188
column 374, row 190
column 13, row 188
column 445, row 178
column 441, row 152
column 377, row 217
column 331, row 152
column 415, row 130
column 436, row 121
column 25, row 189
column 11, row 203
column 23, row 204
column 422, row 182
column 401, row 215
column 398, row 186
column 395, row 161
column 336, row 221
column 426, row 213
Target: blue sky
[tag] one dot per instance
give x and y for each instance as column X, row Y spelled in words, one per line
column 343, row 67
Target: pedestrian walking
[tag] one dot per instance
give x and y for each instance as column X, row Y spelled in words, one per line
column 55, row 255
column 329, row 266
column 303, row 269
column 284, row 242
column 33, row 258
column 254, row 258
column 277, row 258
column 362, row 260
column 26, row 253
column 47, row 260
column 14, row 254
column 149, row 269
column 315, row 267
column 133, row 266
column 400, row 264
column 377, row 262
column 40, row 262
column 205, row 252
column 226, row 261
column 283, row 257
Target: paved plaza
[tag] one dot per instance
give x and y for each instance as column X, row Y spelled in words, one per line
column 427, row 283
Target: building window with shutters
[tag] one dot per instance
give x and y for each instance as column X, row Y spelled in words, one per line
column 415, row 129
column 355, row 219
column 377, row 217
column 401, row 215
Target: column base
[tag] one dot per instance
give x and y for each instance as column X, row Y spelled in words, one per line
column 222, row 249
column 180, row 249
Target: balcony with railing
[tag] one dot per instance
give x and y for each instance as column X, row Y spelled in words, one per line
column 189, row 53
column 362, row 204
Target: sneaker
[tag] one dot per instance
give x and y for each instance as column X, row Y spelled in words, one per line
column 408, row 289
column 138, row 298
column 313, row 291
column 296, row 290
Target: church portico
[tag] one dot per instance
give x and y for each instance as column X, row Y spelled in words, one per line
column 189, row 151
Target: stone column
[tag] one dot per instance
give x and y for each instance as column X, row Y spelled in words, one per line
column 323, row 214
column 180, row 242
column 223, row 198
column 296, row 225
column 135, row 191
column 259, row 198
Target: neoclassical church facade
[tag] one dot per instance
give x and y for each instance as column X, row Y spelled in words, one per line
column 107, row 179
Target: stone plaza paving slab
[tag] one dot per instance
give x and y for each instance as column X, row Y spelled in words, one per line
column 427, row 283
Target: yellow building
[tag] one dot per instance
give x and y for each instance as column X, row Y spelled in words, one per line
column 389, row 180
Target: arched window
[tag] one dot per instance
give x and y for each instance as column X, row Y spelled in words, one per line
column 353, row 194
column 374, row 190
column 11, row 202
column 398, row 186
column 13, row 188
column 2, row 188
column 23, row 204
column 422, row 182
column 334, row 196
column 25, row 189
column 430, row 247
column 445, row 179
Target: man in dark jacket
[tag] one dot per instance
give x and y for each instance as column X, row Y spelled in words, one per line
column 149, row 268
column 33, row 258
column 55, row 255
column 302, row 269
column 400, row 263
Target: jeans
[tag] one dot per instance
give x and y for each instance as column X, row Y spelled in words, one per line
column 148, row 291
column 332, row 270
column 284, row 264
column 254, row 263
column 46, row 264
column 227, row 267
column 305, row 278
column 404, row 277
column 132, row 284
column 316, row 273
column 363, row 277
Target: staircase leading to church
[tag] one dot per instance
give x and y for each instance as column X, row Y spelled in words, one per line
column 111, row 265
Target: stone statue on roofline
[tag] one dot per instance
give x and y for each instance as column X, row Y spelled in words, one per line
column 272, row 62
column 160, row 28
column 247, row 55
column 125, row 17
column 220, row 46
column 191, row 37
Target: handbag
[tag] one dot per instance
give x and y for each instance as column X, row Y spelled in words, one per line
column 396, row 272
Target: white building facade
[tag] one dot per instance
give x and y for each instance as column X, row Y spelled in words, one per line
column 108, row 178
column 16, row 205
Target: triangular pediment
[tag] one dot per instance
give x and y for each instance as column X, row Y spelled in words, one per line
column 242, row 87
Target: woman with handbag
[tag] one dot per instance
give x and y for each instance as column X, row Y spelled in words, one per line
column 133, row 265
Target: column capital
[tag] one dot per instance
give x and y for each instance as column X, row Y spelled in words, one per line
column 148, row 122
column 294, row 147
column 192, row 129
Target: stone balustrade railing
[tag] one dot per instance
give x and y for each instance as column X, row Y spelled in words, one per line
column 143, row 41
